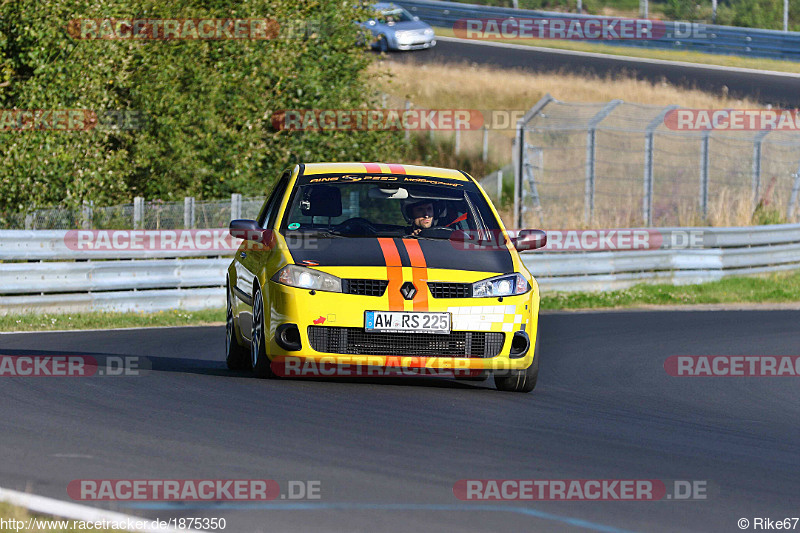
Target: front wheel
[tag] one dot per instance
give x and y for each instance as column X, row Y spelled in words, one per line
column 383, row 44
column 258, row 352
column 236, row 357
column 520, row 380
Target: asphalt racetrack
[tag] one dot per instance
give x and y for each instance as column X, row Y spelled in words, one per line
column 388, row 453
column 776, row 89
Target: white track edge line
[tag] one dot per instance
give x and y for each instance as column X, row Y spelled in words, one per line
column 74, row 511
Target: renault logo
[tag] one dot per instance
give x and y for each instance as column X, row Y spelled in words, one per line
column 408, row 290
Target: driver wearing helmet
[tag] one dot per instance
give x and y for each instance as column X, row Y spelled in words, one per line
column 420, row 214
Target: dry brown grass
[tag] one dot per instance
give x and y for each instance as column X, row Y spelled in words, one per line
column 477, row 87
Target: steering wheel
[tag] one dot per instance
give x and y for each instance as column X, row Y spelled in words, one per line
column 357, row 226
column 436, row 232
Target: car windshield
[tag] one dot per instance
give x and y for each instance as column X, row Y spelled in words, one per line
column 359, row 209
column 396, row 14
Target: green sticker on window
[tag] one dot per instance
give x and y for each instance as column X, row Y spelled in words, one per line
column 294, row 225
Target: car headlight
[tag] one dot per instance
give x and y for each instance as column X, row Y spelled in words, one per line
column 429, row 32
column 307, row 278
column 508, row 285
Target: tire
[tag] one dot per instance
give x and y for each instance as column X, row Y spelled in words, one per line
column 259, row 361
column 237, row 357
column 520, row 380
column 383, row 44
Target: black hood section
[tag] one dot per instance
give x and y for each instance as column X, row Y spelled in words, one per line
column 342, row 251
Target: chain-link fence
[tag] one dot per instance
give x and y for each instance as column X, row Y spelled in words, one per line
column 619, row 164
column 141, row 214
column 491, row 146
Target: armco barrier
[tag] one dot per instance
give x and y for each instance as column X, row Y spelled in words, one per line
column 39, row 273
column 727, row 40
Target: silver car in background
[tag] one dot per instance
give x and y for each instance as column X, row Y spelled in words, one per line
column 394, row 28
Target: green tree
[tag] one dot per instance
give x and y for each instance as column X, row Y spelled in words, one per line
column 767, row 14
column 208, row 103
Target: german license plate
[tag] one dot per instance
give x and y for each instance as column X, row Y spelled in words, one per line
column 407, row 321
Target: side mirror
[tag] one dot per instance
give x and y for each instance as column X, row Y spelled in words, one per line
column 249, row 230
column 529, row 239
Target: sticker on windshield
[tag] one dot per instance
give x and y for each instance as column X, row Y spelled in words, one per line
column 294, row 225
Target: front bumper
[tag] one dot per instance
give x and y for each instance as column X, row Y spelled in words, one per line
column 417, row 46
column 331, row 330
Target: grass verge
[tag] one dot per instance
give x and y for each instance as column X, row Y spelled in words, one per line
column 37, row 523
column 105, row 320
column 768, row 288
column 651, row 53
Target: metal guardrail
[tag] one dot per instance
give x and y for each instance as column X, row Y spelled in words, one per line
column 148, row 301
column 53, row 283
column 97, row 276
column 49, row 245
column 727, row 252
column 726, row 40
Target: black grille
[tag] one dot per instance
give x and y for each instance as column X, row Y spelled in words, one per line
column 450, row 290
column 365, row 287
column 356, row 341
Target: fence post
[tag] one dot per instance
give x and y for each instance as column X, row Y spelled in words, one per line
column 138, row 212
column 529, row 174
column 500, row 187
column 588, row 188
column 485, row 157
column 236, row 206
column 591, row 149
column 756, row 180
column 406, row 133
column 647, row 199
column 86, row 214
column 649, row 145
column 704, row 175
column 516, row 158
column 29, row 221
column 785, row 15
column 518, row 153
column 188, row 212
column 793, row 197
column 458, row 141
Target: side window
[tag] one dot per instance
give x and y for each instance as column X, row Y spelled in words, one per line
column 487, row 218
column 267, row 217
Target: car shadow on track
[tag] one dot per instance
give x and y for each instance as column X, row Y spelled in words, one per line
column 130, row 364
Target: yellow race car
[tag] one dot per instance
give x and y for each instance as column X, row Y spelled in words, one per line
column 382, row 266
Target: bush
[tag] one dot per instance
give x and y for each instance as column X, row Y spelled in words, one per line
column 208, row 102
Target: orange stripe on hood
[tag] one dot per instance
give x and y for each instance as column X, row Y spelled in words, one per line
column 397, row 169
column 419, row 270
column 394, row 273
